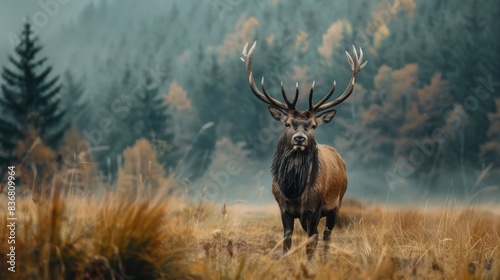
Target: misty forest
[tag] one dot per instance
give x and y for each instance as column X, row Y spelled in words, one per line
column 167, row 78
column 131, row 144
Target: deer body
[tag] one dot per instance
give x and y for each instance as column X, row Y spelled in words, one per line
column 309, row 179
column 325, row 191
column 308, row 183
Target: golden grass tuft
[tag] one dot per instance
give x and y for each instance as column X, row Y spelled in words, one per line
column 68, row 237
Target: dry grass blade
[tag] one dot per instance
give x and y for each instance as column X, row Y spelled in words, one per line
column 276, row 246
column 300, row 246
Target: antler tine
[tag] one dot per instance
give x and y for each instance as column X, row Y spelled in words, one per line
column 360, row 54
column 311, row 105
column 256, row 91
column 266, row 98
column 274, row 102
column 324, row 99
column 296, row 97
column 357, row 65
column 290, row 105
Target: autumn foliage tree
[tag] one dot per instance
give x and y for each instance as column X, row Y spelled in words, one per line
column 141, row 172
column 396, row 128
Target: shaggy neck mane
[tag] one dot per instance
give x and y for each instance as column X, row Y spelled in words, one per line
column 294, row 170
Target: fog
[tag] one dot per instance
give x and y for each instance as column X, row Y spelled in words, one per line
column 422, row 125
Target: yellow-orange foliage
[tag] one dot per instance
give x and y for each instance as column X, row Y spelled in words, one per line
column 394, row 86
column 382, row 14
column 381, row 32
column 37, row 165
column 79, row 172
column 428, row 94
column 301, row 75
column 332, row 38
column 302, row 41
column 141, row 171
column 270, row 39
column 408, row 7
column 177, row 97
column 396, row 82
column 245, row 31
column 405, row 79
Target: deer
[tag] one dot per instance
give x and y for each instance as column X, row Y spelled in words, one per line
column 309, row 180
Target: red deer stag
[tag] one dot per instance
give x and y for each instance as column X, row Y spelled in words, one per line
column 309, row 179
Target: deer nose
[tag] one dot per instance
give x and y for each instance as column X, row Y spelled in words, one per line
column 299, row 139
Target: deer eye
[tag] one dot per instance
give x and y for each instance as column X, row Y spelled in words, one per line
column 313, row 126
column 287, row 124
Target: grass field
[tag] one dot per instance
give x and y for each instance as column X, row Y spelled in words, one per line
column 159, row 237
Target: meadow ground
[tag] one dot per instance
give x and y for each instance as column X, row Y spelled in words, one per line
column 159, row 237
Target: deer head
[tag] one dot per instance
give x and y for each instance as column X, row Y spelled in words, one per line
column 300, row 125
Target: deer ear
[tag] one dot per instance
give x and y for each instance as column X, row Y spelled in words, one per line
column 278, row 114
column 326, row 117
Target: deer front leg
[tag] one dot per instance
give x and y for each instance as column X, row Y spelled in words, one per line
column 312, row 230
column 288, row 222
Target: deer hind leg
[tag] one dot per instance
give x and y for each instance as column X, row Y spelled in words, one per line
column 331, row 219
column 303, row 223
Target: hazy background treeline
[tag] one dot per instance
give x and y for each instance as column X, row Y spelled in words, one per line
column 423, row 118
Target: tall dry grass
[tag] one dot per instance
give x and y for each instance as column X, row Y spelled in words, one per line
column 68, row 237
column 133, row 236
column 370, row 242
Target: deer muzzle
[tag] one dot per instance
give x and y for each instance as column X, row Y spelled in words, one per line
column 299, row 141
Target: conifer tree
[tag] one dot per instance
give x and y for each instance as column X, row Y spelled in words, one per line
column 212, row 106
column 73, row 101
column 472, row 52
column 29, row 99
column 150, row 120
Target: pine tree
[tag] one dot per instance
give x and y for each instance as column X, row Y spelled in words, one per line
column 118, row 104
column 212, row 107
column 199, row 156
column 274, row 60
column 471, row 51
column 150, row 120
column 30, row 100
column 74, row 104
column 211, row 99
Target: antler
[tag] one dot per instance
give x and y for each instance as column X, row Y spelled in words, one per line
column 357, row 65
column 265, row 97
